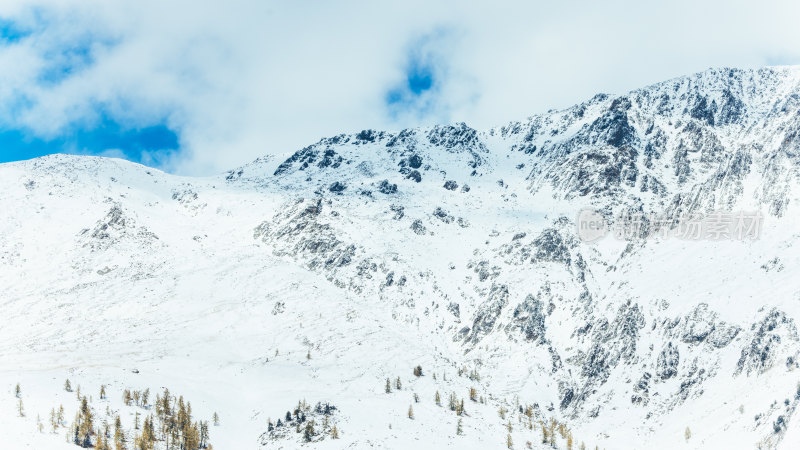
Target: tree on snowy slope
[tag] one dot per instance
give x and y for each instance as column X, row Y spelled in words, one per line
column 84, row 427
column 119, row 435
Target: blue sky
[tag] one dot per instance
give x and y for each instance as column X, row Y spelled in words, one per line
column 152, row 145
column 233, row 81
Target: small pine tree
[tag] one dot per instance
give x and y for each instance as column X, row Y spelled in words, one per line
column 334, row 433
column 60, row 415
column 388, row 387
column 502, row 412
column 20, row 408
column 53, row 423
column 397, row 384
column 452, row 403
column 145, row 397
column 119, row 437
column 410, row 412
column 459, row 429
column 102, row 391
column 416, row 398
column 438, row 399
column 308, row 433
column 136, row 421
column 17, row 391
column 39, row 424
column 204, row 433
column 84, row 425
column 67, row 386
column 473, row 394
column 215, row 418
column 509, row 442
column 687, row 434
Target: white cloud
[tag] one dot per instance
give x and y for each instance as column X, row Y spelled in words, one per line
column 242, row 78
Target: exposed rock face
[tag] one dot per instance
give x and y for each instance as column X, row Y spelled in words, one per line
column 774, row 338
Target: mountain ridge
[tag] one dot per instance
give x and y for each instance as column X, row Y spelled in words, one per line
column 458, row 248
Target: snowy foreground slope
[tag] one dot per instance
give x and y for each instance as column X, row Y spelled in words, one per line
column 317, row 276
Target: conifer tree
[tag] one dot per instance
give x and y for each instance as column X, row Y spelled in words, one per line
column 119, row 435
column 397, row 384
column 416, row 398
column 388, row 387
column 438, row 399
column 102, row 391
column 204, row 433
column 53, row 422
column 473, row 394
column 20, row 408
column 459, row 429
column 136, row 421
column 39, row 424
column 137, row 398
column 145, row 397
column 17, row 391
column 78, row 392
column 452, row 402
column 60, row 414
column 166, row 403
column 67, row 386
column 687, row 434
column 216, row 419
column 85, row 426
column 126, row 397
column 410, row 412
column 308, row 433
column 102, row 441
column 148, row 431
column 509, row 442
column 334, row 433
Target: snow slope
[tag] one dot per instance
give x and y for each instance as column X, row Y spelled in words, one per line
column 445, row 247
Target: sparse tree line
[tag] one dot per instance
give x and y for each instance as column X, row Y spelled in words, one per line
column 168, row 424
column 553, row 433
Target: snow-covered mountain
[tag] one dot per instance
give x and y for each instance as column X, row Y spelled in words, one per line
column 318, row 276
